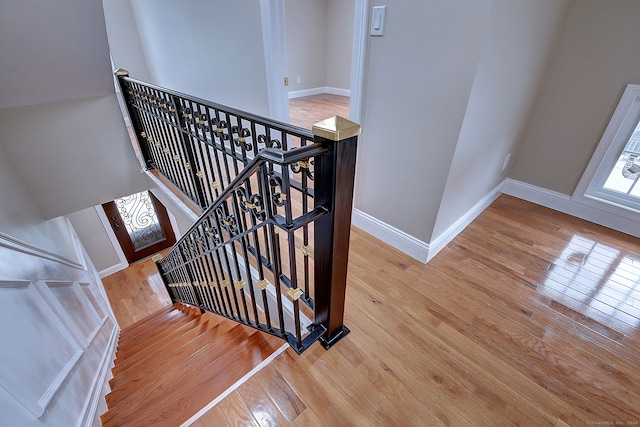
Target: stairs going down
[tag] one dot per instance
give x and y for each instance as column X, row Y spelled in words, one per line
column 174, row 362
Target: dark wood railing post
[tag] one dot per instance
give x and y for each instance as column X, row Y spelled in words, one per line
column 333, row 186
column 133, row 115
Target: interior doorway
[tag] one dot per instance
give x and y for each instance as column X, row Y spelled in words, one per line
column 141, row 225
column 286, row 79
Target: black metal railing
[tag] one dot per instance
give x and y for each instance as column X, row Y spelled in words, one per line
column 198, row 145
column 271, row 248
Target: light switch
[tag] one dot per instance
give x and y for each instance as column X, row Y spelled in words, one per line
column 377, row 20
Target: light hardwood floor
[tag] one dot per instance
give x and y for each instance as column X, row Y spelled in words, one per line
column 529, row 317
column 506, row 326
column 309, row 110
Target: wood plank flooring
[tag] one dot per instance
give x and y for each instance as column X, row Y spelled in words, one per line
column 506, row 326
column 309, row 110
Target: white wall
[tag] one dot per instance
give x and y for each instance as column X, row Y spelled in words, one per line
column 52, row 51
column 54, row 357
column 516, row 46
column 212, row 49
column 71, row 154
column 417, row 86
column 594, row 59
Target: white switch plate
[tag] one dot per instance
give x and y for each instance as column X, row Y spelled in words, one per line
column 377, row 20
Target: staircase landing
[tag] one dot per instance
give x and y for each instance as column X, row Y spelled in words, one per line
column 173, row 363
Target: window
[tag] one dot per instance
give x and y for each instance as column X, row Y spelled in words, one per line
column 613, row 173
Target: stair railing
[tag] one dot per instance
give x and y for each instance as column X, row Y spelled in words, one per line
column 271, row 248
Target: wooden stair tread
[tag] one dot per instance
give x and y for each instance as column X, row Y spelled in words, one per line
column 198, row 359
column 177, row 399
column 181, row 337
column 166, row 358
column 143, row 330
column 155, row 333
column 140, row 323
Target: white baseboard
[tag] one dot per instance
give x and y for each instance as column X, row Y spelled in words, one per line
column 437, row 244
column 571, row 206
column 110, row 270
column 397, row 238
column 337, row 91
column 319, row 91
column 91, row 410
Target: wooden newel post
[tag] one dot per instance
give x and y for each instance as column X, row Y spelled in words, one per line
column 333, row 188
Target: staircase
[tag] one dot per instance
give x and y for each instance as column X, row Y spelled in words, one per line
column 270, row 248
column 174, row 362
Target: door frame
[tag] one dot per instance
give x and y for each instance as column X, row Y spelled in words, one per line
column 113, row 239
column 275, row 57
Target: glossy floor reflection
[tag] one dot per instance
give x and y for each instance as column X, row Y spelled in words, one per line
column 597, row 280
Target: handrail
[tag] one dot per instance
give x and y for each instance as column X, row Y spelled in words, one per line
column 248, row 115
column 276, row 199
column 197, row 144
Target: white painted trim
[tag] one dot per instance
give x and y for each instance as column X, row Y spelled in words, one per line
column 111, row 270
column 572, row 206
column 613, row 141
column 27, row 248
column 101, row 379
column 112, row 236
column 337, row 91
column 437, row 244
column 397, row 238
column 359, row 58
column 274, row 41
column 319, row 91
column 306, row 92
column 237, row 384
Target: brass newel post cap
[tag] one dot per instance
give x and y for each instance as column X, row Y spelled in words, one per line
column 336, row 128
column 121, row 72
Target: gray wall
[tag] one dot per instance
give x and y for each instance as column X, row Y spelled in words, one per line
column 94, row 238
column 55, row 87
column 71, row 154
column 340, row 18
column 319, row 42
column 124, row 39
column 594, row 59
column 212, row 49
column 417, row 86
column 60, row 123
column 306, row 23
column 517, row 43
column 52, row 51
column 20, row 217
